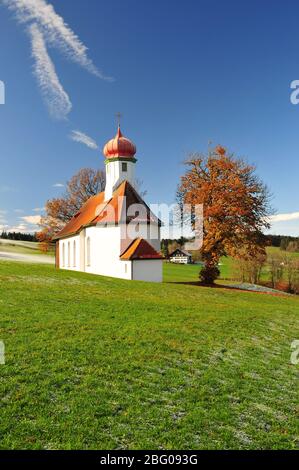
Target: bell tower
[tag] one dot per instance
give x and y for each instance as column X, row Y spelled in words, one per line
column 120, row 162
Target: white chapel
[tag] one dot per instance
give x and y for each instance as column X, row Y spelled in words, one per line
column 115, row 233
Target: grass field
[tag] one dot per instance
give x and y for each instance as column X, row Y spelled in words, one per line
column 94, row 362
column 17, row 246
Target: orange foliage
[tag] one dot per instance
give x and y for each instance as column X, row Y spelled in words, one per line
column 44, row 238
column 235, row 202
column 84, row 184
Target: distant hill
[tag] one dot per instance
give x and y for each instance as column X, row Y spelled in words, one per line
column 19, row 246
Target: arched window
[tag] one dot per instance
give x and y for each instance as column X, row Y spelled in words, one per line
column 74, row 253
column 69, row 254
column 88, row 258
column 63, row 254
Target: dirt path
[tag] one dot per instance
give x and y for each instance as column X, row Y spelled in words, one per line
column 26, row 258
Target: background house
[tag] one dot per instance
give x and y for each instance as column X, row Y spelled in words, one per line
column 180, row 256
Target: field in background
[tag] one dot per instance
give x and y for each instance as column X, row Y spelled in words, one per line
column 17, row 246
column 95, row 362
column 22, row 248
column 275, row 250
column 189, row 273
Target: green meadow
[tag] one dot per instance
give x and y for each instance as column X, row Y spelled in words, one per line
column 19, row 247
column 94, row 362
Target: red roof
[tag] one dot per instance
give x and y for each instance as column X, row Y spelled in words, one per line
column 140, row 249
column 83, row 217
column 119, row 146
column 97, row 211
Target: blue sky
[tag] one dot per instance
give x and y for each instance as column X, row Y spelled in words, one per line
column 185, row 73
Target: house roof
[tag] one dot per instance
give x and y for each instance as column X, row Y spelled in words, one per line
column 184, row 252
column 114, row 211
column 140, row 249
column 83, row 217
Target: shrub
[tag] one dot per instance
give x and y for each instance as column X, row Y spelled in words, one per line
column 208, row 274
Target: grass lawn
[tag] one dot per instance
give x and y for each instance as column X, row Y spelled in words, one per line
column 95, row 362
column 189, row 273
column 180, row 272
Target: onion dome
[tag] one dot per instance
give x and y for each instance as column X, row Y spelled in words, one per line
column 120, row 146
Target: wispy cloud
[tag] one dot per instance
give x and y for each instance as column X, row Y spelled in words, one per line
column 38, row 209
column 31, row 219
column 284, row 217
column 55, row 30
column 58, row 185
column 18, row 211
column 55, row 96
column 79, row 136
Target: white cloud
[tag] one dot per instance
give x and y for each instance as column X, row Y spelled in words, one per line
column 284, row 217
column 55, row 30
column 21, row 227
column 31, row 219
column 58, row 185
column 55, row 96
column 38, row 209
column 18, row 211
column 79, row 136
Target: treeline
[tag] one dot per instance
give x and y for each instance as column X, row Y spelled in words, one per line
column 283, row 269
column 26, row 237
column 284, row 242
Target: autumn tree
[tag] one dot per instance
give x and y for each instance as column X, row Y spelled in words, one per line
column 235, row 205
column 58, row 211
column 250, row 270
column 291, row 267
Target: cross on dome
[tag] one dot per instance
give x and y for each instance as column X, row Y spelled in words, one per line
column 119, row 146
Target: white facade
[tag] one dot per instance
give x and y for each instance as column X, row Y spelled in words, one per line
column 118, row 171
column 96, row 250
column 69, row 253
column 179, row 259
